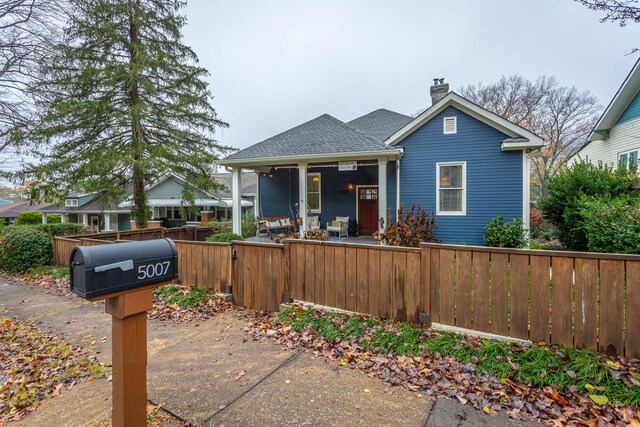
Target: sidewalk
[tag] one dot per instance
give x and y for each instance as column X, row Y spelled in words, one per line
column 209, row 373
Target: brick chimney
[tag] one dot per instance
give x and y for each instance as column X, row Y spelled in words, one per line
column 439, row 90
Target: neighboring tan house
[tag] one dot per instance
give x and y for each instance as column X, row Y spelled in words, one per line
column 615, row 140
column 456, row 159
column 164, row 196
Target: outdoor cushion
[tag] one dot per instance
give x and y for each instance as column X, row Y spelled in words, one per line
column 342, row 218
column 273, row 223
column 335, row 223
column 285, row 222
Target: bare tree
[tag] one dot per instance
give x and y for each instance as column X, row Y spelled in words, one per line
column 619, row 11
column 562, row 115
column 28, row 31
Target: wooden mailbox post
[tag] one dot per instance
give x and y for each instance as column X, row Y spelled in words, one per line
column 124, row 275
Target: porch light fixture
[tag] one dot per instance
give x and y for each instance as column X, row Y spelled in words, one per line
column 316, row 179
column 350, row 186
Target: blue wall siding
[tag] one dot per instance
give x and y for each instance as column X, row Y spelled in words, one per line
column 279, row 194
column 632, row 111
column 494, row 177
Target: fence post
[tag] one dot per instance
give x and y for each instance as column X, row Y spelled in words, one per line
column 424, row 315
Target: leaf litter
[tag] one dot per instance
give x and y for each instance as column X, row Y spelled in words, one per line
column 554, row 385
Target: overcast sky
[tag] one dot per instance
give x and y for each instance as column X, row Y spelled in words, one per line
column 276, row 64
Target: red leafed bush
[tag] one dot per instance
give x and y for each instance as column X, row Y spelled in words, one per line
column 535, row 217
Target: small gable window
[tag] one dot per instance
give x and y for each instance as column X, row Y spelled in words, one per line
column 450, row 125
column 451, row 191
column 628, row 159
column 71, row 203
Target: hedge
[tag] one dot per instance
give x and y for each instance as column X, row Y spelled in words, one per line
column 22, row 248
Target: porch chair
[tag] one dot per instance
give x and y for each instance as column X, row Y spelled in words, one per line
column 313, row 222
column 340, row 225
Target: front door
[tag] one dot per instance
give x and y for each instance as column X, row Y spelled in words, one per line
column 367, row 210
column 95, row 223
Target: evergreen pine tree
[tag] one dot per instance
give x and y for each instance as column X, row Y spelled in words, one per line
column 124, row 102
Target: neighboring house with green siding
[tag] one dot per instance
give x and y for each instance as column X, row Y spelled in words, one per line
column 164, row 197
column 616, row 137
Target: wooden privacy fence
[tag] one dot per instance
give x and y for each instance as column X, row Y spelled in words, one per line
column 574, row 299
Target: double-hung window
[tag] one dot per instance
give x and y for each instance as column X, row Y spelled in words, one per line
column 451, row 188
column 313, row 192
column 71, row 202
column 628, row 159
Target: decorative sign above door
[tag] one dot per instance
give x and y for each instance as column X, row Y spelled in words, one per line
column 351, row 165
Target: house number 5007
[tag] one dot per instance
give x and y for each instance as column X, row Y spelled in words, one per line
column 153, row 270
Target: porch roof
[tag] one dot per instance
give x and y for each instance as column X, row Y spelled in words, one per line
column 324, row 138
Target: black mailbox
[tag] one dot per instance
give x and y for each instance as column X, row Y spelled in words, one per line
column 104, row 269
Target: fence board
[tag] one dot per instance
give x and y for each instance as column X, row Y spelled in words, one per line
column 481, row 289
column 612, row 308
column 632, row 337
column 519, row 286
column 351, row 283
column 412, row 288
column 339, row 277
column 425, row 277
column 540, row 298
column 500, row 293
column 362, row 277
column 309, row 275
column 586, row 304
column 386, row 283
column 399, row 309
column 373, row 270
column 435, row 285
column 463, row 289
column 561, row 291
column 329, row 283
column 447, row 287
column 319, row 273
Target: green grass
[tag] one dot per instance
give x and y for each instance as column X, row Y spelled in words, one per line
column 55, row 272
column 180, row 295
column 561, row 368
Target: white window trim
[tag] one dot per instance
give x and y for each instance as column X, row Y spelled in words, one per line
column 71, row 203
column 455, row 125
column 319, row 175
column 628, row 157
column 464, row 189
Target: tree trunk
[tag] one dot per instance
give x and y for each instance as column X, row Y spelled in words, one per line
column 140, row 209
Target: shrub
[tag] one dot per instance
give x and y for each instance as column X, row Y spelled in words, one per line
column 249, row 224
column 220, row 226
column 535, row 217
column 61, row 229
column 612, row 225
column 502, row 234
column 25, row 248
column 566, row 189
column 224, row 237
column 410, row 230
column 25, row 218
column 54, row 219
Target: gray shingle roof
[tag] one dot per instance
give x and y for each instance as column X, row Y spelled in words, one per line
column 249, row 184
column 380, row 124
column 322, row 135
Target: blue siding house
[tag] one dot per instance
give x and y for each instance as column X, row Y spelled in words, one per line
column 456, row 159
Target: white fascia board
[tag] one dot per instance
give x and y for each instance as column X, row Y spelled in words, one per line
column 466, row 106
column 263, row 161
column 516, row 146
column 619, row 103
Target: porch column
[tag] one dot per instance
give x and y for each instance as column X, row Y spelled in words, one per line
column 236, row 200
column 302, row 196
column 107, row 222
column 382, row 191
column 63, row 218
column 85, row 219
column 44, row 218
column 256, row 199
column 397, row 187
